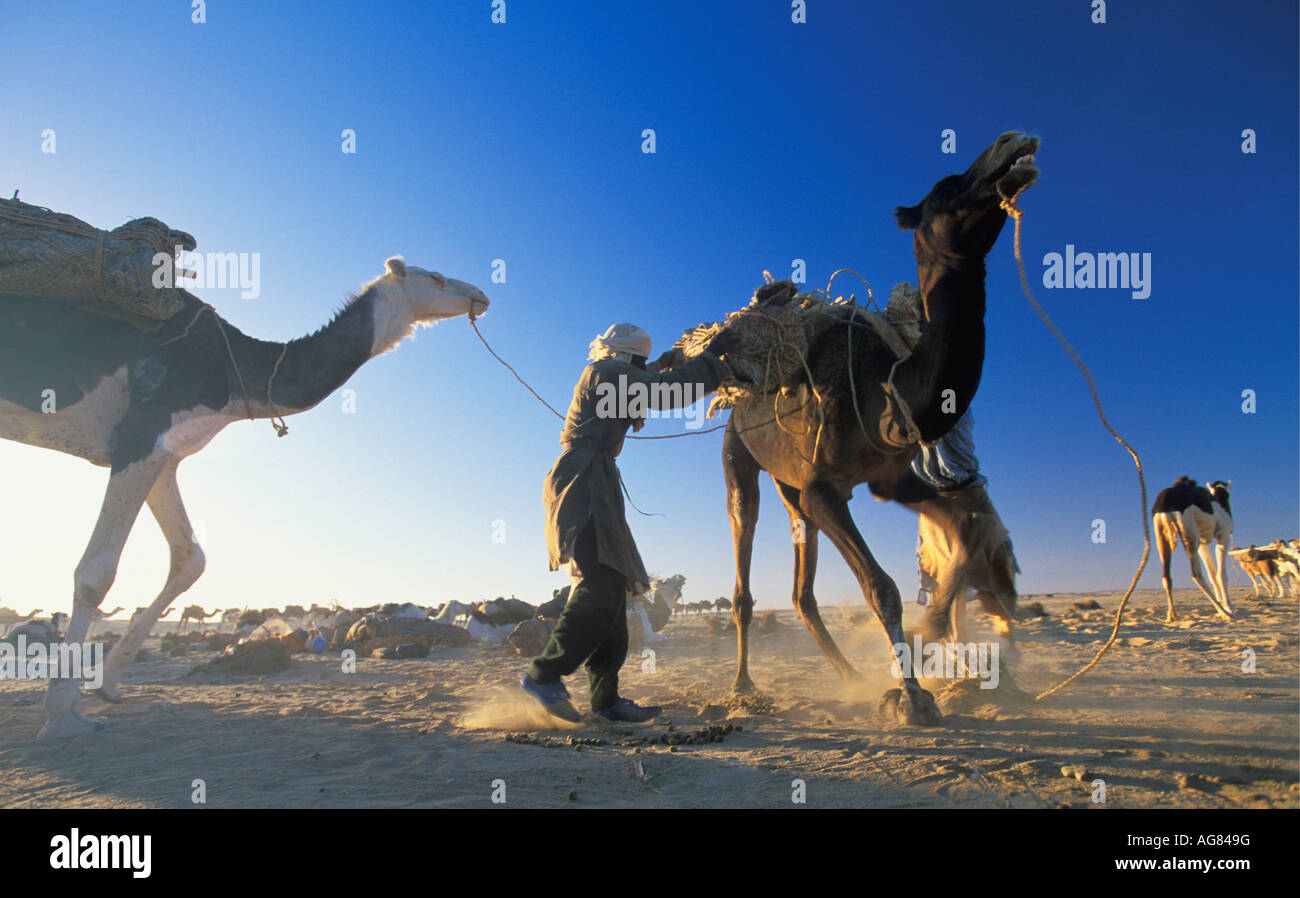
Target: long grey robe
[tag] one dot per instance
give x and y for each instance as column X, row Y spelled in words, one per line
column 583, row 484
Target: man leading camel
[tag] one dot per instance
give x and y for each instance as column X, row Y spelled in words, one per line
column 585, row 522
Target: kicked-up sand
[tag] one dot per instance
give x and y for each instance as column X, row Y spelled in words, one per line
column 1169, row 719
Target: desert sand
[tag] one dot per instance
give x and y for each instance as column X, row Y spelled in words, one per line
column 1168, row 719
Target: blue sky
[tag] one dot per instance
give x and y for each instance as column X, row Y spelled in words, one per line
column 775, row 141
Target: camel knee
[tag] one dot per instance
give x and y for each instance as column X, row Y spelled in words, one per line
column 888, row 601
column 742, row 607
column 188, row 566
column 806, row 604
column 93, row 579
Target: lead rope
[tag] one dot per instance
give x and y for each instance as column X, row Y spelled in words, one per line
column 1009, row 205
column 670, row 436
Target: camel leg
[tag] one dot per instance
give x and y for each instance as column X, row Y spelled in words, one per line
column 127, row 490
column 830, row 512
column 1194, row 549
column 1205, row 554
column 1274, row 587
column 1220, row 566
column 1253, row 581
column 187, row 565
column 1166, row 547
column 805, row 571
column 740, row 471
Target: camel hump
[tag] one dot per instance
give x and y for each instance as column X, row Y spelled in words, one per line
column 1184, row 494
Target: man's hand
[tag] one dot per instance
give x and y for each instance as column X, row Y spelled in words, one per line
column 726, row 341
column 666, row 361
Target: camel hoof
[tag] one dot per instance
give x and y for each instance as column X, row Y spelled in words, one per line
column 917, row 709
column 70, row 727
column 743, row 686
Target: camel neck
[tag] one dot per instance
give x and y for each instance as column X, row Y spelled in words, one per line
column 950, row 353
column 312, row 367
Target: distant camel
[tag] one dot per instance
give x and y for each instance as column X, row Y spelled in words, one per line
column 1201, row 519
column 104, row 615
column 1260, row 567
column 142, row 609
column 9, row 617
column 230, row 616
column 194, row 612
column 45, row 631
column 1288, row 565
column 1277, row 565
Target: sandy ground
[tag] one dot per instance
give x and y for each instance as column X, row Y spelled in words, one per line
column 1169, row 719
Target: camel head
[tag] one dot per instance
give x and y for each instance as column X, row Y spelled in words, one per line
column 962, row 215
column 428, row 295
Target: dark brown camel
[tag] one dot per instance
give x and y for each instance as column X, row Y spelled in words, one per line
column 956, row 226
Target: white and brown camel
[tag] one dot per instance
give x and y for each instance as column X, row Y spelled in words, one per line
column 1261, row 567
column 1201, row 519
column 10, row 618
column 140, row 401
column 1276, row 565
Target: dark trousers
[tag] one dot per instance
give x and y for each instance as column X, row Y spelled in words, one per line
column 592, row 629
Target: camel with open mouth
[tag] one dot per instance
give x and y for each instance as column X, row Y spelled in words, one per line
column 815, row 466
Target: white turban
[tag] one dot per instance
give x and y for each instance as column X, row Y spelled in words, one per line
column 618, row 340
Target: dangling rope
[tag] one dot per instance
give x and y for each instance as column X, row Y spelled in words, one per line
column 277, row 420
column 1015, row 212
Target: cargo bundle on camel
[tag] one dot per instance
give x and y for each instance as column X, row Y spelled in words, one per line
column 58, row 256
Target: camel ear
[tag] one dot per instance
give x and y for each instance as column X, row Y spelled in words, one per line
column 909, row 217
column 396, row 266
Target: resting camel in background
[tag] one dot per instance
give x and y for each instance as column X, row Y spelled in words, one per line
column 956, row 226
